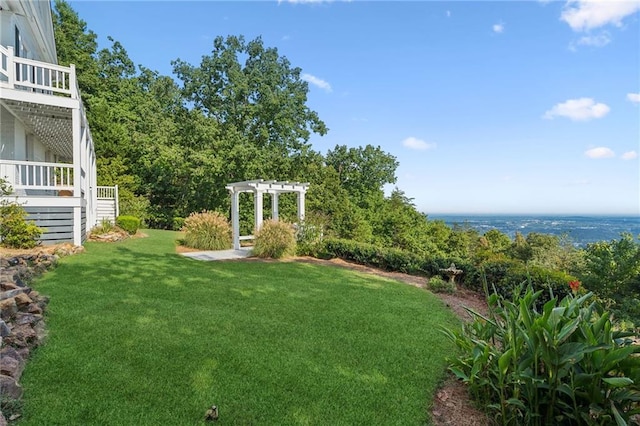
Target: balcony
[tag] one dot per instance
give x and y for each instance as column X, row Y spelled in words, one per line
column 35, row 76
column 38, row 178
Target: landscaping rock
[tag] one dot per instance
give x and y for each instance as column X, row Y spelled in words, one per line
column 8, row 308
column 7, row 285
column 10, row 367
column 21, row 336
column 11, row 293
column 4, row 329
column 34, row 309
column 9, row 387
column 23, row 318
column 23, row 301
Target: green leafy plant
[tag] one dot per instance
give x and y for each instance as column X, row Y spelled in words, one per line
column 131, row 224
column 563, row 364
column 439, row 285
column 275, row 239
column 207, row 230
column 15, row 230
column 308, row 238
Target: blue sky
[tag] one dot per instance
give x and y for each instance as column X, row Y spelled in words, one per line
column 490, row 107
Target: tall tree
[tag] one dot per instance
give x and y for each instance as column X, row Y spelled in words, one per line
column 363, row 172
column 77, row 45
column 259, row 102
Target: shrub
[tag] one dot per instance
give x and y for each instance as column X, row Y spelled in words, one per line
column 563, row 364
column 105, row 227
column 308, row 238
column 15, row 231
column 207, row 230
column 505, row 276
column 439, row 285
column 131, row 224
column 275, row 240
column 390, row 259
column 178, row 223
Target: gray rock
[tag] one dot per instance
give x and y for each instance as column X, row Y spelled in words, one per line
column 27, row 318
column 11, row 367
column 4, row 329
column 12, row 293
column 8, row 308
column 9, row 387
column 3, row 421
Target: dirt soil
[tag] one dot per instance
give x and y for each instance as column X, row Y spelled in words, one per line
column 452, row 404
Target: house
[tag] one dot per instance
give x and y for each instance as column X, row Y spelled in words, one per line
column 46, row 150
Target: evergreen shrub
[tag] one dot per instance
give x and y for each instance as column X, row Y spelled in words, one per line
column 506, row 275
column 390, row 259
column 207, row 230
column 131, row 224
column 275, row 240
column 15, row 230
column 440, row 285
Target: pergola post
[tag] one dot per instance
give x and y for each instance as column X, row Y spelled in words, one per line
column 274, row 206
column 301, row 206
column 258, row 206
column 235, row 218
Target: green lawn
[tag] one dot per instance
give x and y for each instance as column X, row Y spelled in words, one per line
column 141, row 336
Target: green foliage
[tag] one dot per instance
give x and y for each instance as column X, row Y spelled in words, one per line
column 390, row 259
column 131, row 224
column 562, row 364
column 362, row 171
column 178, row 223
column 105, row 227
column 15, row 231
column 207, row 230
column 275, row 239
column 507, row 275
column 308, row 237
column 439, row 285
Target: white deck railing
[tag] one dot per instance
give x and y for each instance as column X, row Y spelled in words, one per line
column 107, row 192
column 36, row 76
column 37, row 175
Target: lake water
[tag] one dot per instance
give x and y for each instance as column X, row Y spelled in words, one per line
column 582, row 230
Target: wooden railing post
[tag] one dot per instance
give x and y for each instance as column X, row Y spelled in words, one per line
column 73, row 84
column 11, row 67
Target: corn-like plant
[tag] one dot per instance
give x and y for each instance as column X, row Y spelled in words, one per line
column 275, row 240
column 562, row 365
column 207, row 231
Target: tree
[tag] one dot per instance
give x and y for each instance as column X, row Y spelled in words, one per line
column 612, row 268
column 75, row 44
column 363, row 172
column 256, row 96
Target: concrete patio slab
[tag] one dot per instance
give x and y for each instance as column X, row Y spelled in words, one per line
column 219, row 254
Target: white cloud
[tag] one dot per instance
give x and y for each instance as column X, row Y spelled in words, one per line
column 498, row 28
column 317, row 82
column 418, row 144
column 599, row 40
column 634, row 97
column 582, row 109
column 599, row 152
column 585, row 15
column 448, row 13
column 631, row 155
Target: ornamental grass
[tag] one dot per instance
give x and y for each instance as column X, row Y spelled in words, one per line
column 207, row 230
column 275, row 240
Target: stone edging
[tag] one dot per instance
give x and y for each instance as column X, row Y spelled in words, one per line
column 22, row 327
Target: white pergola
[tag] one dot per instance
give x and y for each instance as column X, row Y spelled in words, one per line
column 258, row 188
